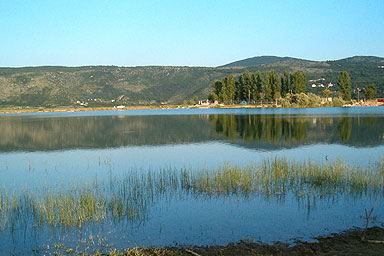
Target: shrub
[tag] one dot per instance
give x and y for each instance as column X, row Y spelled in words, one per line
column 314, row 100
column 338, row 102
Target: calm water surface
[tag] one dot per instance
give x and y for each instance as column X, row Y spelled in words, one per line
column 59, row 150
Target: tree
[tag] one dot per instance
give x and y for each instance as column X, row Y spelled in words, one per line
column 253, row 87
column 211, row 97
column 217, row 86
column 369, row 91
column 259, row 85
column 285, row 84
column 267, row 90
column 299, row 82
column 231, row 89
column 326, row 93
column 344, row 83
column 240, row 88
column 246, row 85
column 275, row 85
column 224, row 97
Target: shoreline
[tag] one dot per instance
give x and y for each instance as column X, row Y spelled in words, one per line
column 349, row 242
column 20, row 110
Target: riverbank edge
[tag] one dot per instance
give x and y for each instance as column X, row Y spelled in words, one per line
column 20, row 110
column 348, row 242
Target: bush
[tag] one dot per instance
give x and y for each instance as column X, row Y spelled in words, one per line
column 302, row 100
column 338, row 102
column 314, row 100
column 285, row 102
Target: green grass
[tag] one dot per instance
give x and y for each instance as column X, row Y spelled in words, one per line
column 130, row 195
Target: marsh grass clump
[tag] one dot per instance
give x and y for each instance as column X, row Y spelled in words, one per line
column 130, row 195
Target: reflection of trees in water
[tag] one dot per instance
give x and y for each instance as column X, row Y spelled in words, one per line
column 345, row 128
column 34, row 133
column 268, row 128
column 280, row 129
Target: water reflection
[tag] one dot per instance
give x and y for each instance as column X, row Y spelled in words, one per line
column 292, row 131
column 256, row 131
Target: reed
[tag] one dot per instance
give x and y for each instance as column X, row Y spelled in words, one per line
column 130, row 195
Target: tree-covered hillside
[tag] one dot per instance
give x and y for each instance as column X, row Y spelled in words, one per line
column 260, row 60
column 100, row 85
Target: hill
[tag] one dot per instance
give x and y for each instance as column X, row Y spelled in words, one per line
column 112, row 85
column 260, row 60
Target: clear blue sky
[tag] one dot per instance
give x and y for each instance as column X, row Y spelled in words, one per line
column 185, row 32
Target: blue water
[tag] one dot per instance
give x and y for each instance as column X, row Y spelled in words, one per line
column 56, row 150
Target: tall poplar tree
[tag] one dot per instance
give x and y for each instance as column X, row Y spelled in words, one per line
column 267, row 90
column 285, row 84
column 246, row 85
column 240, row 88
column 231, row 88
column 259, row 85
column 275, row 85
column 253, row 87
column 217, row 86
column 224, row 92
column 344, row 83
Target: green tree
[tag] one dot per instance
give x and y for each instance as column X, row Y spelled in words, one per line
column 217, row 86
column 259, row 85
column 299, row 82
column 253, row 88
column 275, row 85
column 267, row 90
column 240, row 88
column 326, row 93
column 224, row 97
column 369, row 91
column 231, row 89
column 211, row 97
column 285, row 84
column 246, row 86
column 344, row 83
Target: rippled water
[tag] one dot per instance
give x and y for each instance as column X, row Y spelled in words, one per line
column 60, row 150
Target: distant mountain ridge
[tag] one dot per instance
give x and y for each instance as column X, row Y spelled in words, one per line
column 266, row 60
column 261, row 60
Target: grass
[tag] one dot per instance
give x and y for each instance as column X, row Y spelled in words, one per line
column 130, row 195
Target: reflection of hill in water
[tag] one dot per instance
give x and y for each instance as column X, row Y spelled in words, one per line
column 251, row 131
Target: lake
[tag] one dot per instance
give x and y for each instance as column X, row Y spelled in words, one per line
column 140, row 170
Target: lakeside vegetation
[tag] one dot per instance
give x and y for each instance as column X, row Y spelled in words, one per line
column 289, row 90
column 129, row 196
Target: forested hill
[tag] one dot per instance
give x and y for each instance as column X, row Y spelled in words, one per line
column 261, row 60
column 100, row 85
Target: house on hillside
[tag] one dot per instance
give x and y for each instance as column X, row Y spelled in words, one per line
column 203, row 102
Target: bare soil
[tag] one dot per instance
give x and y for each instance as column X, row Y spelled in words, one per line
column 346, row 243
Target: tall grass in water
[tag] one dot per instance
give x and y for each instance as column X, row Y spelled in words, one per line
column 130, row 195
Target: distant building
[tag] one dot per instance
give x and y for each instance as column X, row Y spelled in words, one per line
column 204, row 102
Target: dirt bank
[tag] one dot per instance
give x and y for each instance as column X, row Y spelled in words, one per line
column 346, row 243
